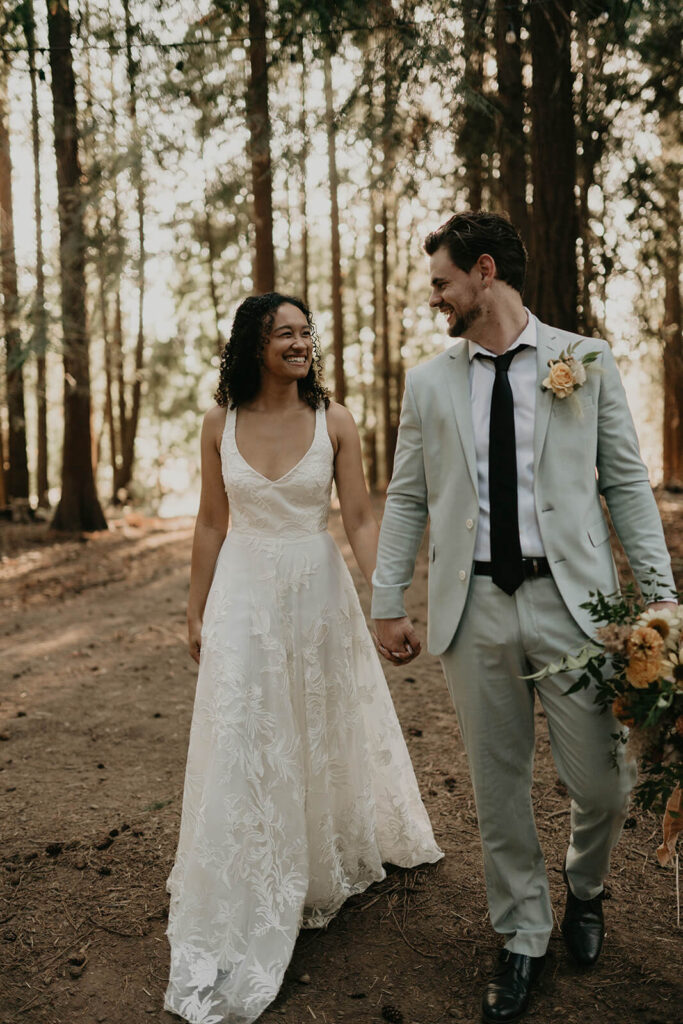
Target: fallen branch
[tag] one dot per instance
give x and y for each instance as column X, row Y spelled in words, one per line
column 432, row 956
column 115, row 931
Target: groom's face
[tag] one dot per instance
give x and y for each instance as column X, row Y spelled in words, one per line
column 456, row 293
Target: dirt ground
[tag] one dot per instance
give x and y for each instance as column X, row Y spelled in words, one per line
column 96, row 703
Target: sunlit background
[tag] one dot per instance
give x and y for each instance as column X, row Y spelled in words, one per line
column 191, row 79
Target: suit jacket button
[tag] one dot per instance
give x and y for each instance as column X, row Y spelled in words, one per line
column 469, row 524
column 462, row 575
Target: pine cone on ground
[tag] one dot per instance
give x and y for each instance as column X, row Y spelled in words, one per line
column 392, row 1015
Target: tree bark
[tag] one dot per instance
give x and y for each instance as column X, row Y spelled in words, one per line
column 119, row 375
column 385, row 344
column 17, row 477
column 511, row 137
column 473, row 131
column 129, row 427
column 337, row 297
column 95, row 175
column 39, row 340
column 78, row 508
column 303, row 189
column 588, row 161
column 212, row 254
column 115, row 336
column 553, row 287
column 108, row 394
column 258, row 120
column 672, row 454
column 389, row 427
column 373, row 415
column 3, row 462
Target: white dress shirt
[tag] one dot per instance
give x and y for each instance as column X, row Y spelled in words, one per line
column 522, row 376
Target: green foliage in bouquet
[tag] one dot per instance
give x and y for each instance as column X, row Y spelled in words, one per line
column 636, row 670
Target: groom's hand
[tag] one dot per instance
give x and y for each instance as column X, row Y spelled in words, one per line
column 397, row 640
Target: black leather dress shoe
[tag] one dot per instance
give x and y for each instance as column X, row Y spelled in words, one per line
column 583, row 927
column 506, row 996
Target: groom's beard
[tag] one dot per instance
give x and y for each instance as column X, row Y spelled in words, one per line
column 464, row 322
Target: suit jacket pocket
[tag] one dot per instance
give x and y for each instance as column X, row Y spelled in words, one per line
column 598, row 533
column 569, row 405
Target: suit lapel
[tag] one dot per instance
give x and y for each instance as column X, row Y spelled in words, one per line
column 548, row 346
column 459, row 387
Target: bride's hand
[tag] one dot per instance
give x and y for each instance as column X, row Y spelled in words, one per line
column 396, row 640
column 194, row 636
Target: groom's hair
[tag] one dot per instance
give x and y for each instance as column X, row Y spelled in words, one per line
column 467, row 236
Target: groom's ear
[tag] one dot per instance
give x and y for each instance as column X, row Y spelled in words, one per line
column 486, row 269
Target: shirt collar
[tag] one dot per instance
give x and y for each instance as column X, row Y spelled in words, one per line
column 527, row 337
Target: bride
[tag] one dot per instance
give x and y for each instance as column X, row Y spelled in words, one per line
column 298, row 784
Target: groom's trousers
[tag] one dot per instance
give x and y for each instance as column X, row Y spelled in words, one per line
column 499, row 639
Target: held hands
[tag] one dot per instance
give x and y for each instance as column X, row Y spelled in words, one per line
column 194, row 637
column 396, row 640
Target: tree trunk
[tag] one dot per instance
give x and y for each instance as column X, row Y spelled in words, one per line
column 672, row 455
column 303, row 162
column 78, row 508
column 119, row 374
column 511, row 138
column 108, row 394
column 406, row 271
column 553, row 288
column 116, row 349
column 388, row 168
column 587, row 162
column 95, row 175
column 258, row 120
column 373, row 415
column 130, row 427
column 17, row 477
column 385, row 345
column 473, row 131
column 337, row 305
column 39, row 340
column 212, row 255
column 211, row 270
column 3, row 463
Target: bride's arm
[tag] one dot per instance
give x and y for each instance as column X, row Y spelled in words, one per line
column 210, row 527
column 358, row 517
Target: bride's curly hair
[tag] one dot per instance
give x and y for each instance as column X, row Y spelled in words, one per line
column 240, row 369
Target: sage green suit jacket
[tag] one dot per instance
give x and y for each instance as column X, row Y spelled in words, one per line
column 584, row 446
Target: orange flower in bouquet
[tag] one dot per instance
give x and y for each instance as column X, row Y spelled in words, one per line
column 635, row 668
column 643, row 656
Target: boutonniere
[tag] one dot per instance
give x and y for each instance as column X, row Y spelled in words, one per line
column 568, row 373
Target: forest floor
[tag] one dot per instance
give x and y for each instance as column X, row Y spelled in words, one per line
column 96, row 703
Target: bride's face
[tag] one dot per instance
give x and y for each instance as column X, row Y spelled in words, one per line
column 288, row 351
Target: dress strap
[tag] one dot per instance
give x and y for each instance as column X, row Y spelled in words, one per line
column 320, row 436
column 228, row 437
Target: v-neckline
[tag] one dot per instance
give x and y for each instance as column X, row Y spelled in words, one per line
column 289, row 471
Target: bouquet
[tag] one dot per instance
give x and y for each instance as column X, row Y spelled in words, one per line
column 637, row 670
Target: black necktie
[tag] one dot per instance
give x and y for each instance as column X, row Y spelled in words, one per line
column 506, row 553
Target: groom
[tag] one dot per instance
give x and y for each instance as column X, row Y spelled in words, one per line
column 509, row 469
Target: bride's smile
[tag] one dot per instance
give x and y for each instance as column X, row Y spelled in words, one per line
column 288, row 349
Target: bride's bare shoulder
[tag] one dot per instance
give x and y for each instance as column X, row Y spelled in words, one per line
column 214, row 423
column 339, row 419
column 216, row 414
column 340, row 424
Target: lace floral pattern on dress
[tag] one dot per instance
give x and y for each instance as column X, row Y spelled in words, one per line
column 298, row 783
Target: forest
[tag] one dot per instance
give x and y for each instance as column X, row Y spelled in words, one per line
column 159, row 162
column 162, row 161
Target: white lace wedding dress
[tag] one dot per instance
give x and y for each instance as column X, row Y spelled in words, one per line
column 299, row 783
